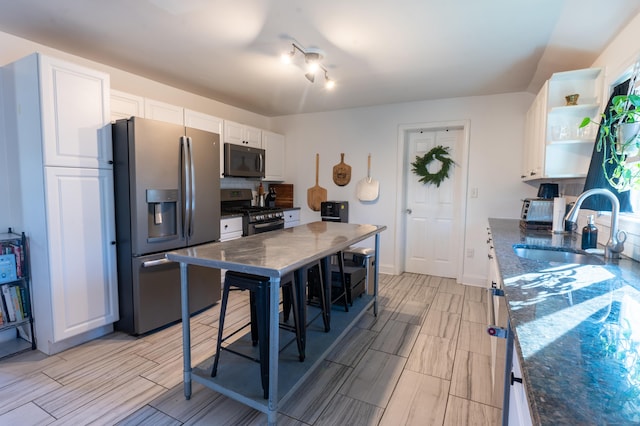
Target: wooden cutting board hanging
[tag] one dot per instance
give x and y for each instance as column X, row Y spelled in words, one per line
column 341, row 172
column 316, row 194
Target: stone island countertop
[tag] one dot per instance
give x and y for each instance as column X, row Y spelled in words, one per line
column 276, row 253
column 577, row 330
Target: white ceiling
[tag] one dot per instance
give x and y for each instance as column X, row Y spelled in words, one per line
column 378, row 51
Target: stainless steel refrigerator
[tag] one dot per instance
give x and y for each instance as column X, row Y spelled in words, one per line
column 167, row 196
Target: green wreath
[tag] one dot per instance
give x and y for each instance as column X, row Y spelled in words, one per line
column 420, row 165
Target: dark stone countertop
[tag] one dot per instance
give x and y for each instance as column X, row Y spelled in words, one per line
column 230, row 215
column 577, row 330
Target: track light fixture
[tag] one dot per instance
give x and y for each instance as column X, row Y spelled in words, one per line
column 313, row 60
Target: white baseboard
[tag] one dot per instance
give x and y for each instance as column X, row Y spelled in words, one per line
column 51, row 348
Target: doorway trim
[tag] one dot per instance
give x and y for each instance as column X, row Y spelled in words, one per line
column 401, row 195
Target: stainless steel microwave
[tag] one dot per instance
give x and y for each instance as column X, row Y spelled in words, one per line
column 243, row 161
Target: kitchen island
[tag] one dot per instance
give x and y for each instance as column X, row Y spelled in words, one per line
column 273, row 254
column 576, row 330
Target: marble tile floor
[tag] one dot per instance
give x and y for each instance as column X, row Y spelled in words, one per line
column 424, row 360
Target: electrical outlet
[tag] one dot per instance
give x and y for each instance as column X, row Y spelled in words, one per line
column 474, row 192
column 470, row 252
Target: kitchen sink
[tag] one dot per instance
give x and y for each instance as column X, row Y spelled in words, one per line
column 556, row 254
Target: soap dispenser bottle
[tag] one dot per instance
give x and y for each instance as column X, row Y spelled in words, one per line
column 589, row 234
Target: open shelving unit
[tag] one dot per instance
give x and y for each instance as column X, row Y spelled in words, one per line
column 15, row 294
column 555, row 146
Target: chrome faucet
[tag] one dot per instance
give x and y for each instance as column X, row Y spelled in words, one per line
column 615, row 245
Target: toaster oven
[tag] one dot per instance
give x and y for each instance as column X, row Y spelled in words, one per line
column 539, row 210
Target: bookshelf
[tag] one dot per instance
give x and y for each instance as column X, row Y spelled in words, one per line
column 15, row 295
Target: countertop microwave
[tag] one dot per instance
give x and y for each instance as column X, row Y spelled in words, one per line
column 243, row 161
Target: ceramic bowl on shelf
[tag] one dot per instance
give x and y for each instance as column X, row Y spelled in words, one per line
column 572, row 99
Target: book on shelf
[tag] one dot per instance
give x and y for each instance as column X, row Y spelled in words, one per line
column 14, row 303
column 8, row 302
column 19, row 253
column 26, row 303
column 14, row 246
column 17, row 303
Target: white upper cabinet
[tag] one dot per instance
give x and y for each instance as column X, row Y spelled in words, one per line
column 273, row 144
column 162, row 111
column 75, row 105
column 209, row 123
column 534, row 142
column 198, row 120
column 241, row 134
column 555, row 146
column 126, row 105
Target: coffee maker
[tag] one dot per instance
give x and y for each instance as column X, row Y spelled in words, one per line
column 270, row 199
column 334, row 211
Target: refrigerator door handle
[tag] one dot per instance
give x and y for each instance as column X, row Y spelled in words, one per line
column 186, row 187
column 192, row 189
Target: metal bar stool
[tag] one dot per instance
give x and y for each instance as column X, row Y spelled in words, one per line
column 259, row 295
column 314, row 281
column 343, row 281
column 316, row 285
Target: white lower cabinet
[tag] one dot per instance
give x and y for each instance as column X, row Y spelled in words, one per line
column 81, row 250
column 519, row 413
column 495, row 315
column 291, row 218
column 230, row 229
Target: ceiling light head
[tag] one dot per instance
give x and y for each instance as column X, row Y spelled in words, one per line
column 328, row 83
column 313, row 55
column 313, row 59
column 287, row 57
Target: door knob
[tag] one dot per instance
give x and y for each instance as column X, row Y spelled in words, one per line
column 409, row 211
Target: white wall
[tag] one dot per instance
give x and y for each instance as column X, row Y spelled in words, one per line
column 496, row 133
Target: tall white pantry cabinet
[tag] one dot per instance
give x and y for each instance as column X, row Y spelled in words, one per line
column 58, row 141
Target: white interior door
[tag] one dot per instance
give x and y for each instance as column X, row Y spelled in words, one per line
column 433, row 223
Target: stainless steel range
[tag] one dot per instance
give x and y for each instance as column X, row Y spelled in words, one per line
column 254, row 219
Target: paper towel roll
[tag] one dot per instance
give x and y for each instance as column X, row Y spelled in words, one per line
column 559, row 208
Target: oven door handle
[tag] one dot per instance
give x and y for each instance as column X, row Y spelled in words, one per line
column 157, row 262
column 274, row 224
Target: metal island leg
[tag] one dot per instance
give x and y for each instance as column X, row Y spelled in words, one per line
column 186, row 329
column 274, row 344
column 375, row 276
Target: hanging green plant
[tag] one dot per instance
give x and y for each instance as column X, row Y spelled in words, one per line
column 439, row 153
